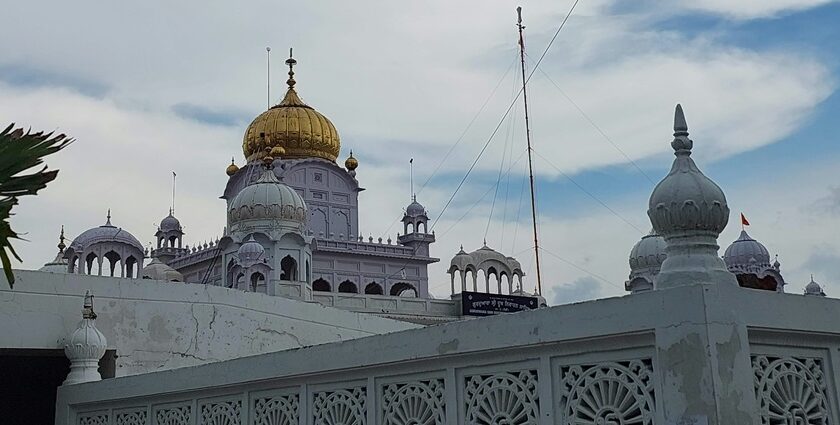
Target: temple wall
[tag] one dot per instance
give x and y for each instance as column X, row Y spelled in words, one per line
column 161, row 325
column 699, row 354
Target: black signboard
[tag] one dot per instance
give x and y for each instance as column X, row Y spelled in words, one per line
column 483, row 304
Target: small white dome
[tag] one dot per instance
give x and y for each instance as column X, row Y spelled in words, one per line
column 460, row 261
column 814, row 288
column 414, row 209
column 267, row 199
column 105, row 233
column 250, row 252
column 156, row 270
column 648, row 253
column 170, row 223
column 746, row 252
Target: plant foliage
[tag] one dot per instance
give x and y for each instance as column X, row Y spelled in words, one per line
column 20, row 151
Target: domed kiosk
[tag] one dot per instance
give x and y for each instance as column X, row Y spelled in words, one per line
column 646, row 259
column 749, row 261
column 90, row 251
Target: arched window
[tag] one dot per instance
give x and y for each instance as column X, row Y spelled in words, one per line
column 321, row 285
column 257, row 281
column 89, row 262
column 289, row 267
column 307, row 271
column 403, row 289
column 172, row 240
column 240, row 279
column 113, row 261
column 373, row 288
column 130, row 263
column 74, row 264
column 348, row 287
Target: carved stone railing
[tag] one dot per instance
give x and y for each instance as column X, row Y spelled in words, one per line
column 697, row 354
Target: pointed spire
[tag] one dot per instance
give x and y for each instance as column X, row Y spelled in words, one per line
column 61, row 244
column 682, row 144
column 291, row 62
column 108, row 221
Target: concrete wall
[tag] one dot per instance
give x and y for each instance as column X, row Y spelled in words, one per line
column 161, row 325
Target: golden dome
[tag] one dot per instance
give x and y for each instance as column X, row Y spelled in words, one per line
column 351, row 163
column 232, row 168
column 294, row 126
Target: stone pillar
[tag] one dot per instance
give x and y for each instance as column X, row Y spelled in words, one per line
column 85, row 347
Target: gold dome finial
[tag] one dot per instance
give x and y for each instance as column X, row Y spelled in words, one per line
column 351, row 163
column 302, row 131
column 232, row 168
column 291, row 62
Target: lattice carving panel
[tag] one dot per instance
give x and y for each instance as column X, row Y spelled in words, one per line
column 93, row 419
column 790, row 390
column 227, row 412
column 502, row 398
column 607, row 393
column 414, row 403
column 277, row 410
column 179, row 415
column 135, row 417
column 340, row 407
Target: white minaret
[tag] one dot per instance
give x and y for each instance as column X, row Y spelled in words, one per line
column 85, row 347
column 689, row 210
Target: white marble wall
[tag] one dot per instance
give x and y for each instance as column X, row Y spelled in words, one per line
column 160, row 325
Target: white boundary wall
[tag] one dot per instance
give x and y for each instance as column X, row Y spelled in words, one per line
column 157, row 325
column 697, row 354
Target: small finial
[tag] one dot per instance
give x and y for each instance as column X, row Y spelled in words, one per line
column 61, row 244
column 680, row 125
column 291, row 62
column 108, row 221
column 682, row 144
column 812, row 277
column 485, row 241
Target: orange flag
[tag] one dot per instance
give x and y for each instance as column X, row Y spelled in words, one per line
column 744, row 220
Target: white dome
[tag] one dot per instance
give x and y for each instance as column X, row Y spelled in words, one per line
column 250, row 252
column 648, row 253
column 267, row 199
column 170, row 223
column 814, row 288
column 460, row 261
column 745, row 253
column 414, row 209
column 156, row 270
column 104, row 233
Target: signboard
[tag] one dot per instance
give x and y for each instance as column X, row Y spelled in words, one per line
column 484, row 304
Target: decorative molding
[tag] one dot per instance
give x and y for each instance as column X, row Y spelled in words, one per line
column 790, row 390
column 414, row 403
column 98, row 418
column 131, row 417
column 340, row 407
column 225, row 412
column 607, row 393
column 174, row 415
column 502, row 398
column 277, row 410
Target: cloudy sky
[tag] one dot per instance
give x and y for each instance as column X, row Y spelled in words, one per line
column 151, row 87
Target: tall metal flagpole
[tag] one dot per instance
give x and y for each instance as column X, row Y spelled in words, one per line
column 528, row 138
column 172, row 211
column 411, row 178
column 268, row 76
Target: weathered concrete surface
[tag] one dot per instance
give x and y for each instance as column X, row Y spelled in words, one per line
column 161, row 325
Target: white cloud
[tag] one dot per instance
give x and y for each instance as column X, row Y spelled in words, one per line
column 398, row 80
column 752, row 9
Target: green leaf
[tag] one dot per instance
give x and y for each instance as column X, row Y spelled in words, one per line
column 20, row 151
